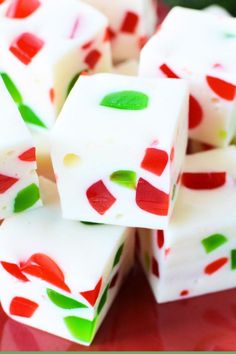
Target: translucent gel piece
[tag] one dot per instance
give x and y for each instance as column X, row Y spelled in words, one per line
column 155, row 161
column 233, row 259
column 92, row 295
column 103, row 300
column 100, row 198
column 224, row 89
column 80, row 328
column 29, row 116
column 118, row 255
column 63, row 301
column 6, row 182
column 22, row 307
column 212, row 242
column 12, row 89
column 203, row 181
column 124, row 178
column 127, row 100
column 26, row 198
column 14, row 270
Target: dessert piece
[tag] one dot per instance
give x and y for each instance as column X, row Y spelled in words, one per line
column 40, row 60
column 61, row 276
column 196, row 254
column 217, row 10
column 200, row 55
column 118, row 149
column 131, row 23
column 18, row 179
column 128, row 67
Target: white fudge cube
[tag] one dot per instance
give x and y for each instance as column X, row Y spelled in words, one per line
column 44, row 47
column 196, row 254
column 18, row 178
column 131, row 23
column 204, row 55
column 118, row 147
column 63, row 278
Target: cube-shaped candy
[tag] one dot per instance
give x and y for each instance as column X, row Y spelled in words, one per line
column 18, row 179
column 131, row 23
column 44, row 47
column 118, row 148
column 196, row 254
column 61, row 276
column 204, row 55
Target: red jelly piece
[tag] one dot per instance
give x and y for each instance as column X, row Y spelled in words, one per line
column 26, row 47
column 172, row 154
column 130, row 22
column 206, row 180
column 216, row 265
column 6, row 183
column 114, row 281
column 14, row 270
column 22, row 8
column 109, row 34
column 184, row 293
column 160, row 238
column 142, row 41
column 92, row 58
column 28, row 156
column 92, row 295
column 87, row 45
column 155, row 161
column 155, row 267
column 222, row 88
column 23, row 307
column 151, row 199
column 52, row 95
column 100, row 198
column 195, row 109
column 195, row 113
column 41, row 266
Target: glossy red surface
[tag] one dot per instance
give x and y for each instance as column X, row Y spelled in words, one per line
column 136, row 322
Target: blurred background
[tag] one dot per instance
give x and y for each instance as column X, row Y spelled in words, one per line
column 229, row 5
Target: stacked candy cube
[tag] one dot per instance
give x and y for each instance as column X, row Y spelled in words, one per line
column 114, row 146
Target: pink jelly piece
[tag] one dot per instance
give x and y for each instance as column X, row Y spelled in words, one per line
column 130, row 22
column 200, row 181
column 151, row 199
column 216, row 265
column 26, row 47
column 155, row 267
column 41, row 266
column 6, row 182
column 142, row 41
column 52, row 95
column 160, row 238
column 224, row 89
column 28, row 156
column 155, row 161
column 14, row 270
column 22, row 8
column 22, row 307
column 195, row 109
column 109, row 34
column 92, row 58
column 100, row 198
column 92, row 295
column 172, row 154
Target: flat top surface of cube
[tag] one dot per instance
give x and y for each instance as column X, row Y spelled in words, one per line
column 13, row 130
column 86, row 115
column 83, row 251
column 208, row 196
column 196, row 41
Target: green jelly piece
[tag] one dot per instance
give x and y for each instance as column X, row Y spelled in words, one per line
column 229, row 35
column 174, row 192
column 73, row 82
column 29, row 116
column 90, row 223
column 233, row 259
column 118, row 255
column 26, row 198
column 147, row 261
column 64, row 302
column 12, row 89
column 81, row 328
column 212, row 242
column 124, row 178
column 129, row 100
column 102, row 300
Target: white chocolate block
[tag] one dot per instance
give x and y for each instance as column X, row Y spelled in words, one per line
column 177, row 52
column 196, row 254
column 131, row 23
column 129, row 67
column 118, row 148
column 44, row 46
column 63, row 278
column 18, row 179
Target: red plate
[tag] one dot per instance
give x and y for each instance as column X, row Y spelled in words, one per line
column 136, row 322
